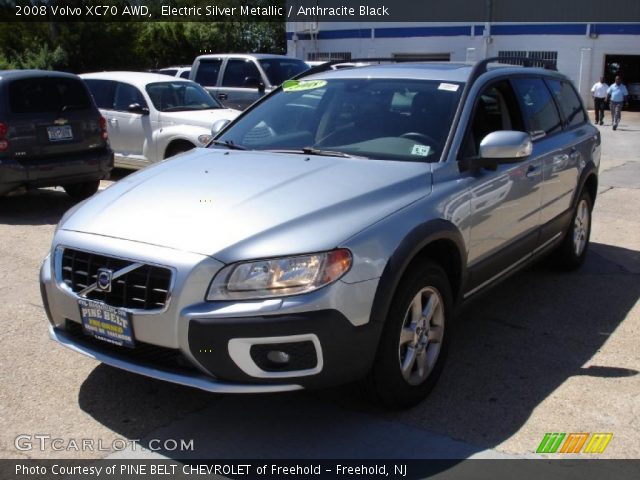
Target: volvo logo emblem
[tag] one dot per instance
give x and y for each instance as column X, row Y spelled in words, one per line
column 103, row 279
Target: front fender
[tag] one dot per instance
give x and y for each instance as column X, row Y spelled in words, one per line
column 187, row 133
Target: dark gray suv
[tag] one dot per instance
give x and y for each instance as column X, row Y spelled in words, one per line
column 51, row 133
column 330, row 231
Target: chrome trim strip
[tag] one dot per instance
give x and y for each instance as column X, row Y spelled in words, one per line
column 196, row 381
column 512, row 266
column 546, row 244
column 116, row 275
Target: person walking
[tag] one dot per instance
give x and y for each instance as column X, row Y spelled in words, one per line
column 599, row 92
column 617, row 94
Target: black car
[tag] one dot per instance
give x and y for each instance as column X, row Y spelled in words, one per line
column 51, row 133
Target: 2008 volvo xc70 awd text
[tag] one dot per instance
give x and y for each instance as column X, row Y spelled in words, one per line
column 328, row 234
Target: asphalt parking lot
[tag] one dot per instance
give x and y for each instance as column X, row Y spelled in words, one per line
column 544, row 352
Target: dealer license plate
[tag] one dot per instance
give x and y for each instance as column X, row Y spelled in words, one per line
column 106, row 323
column 57, row 134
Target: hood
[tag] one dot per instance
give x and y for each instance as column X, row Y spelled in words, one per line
column 199, row 118
column 239, row 205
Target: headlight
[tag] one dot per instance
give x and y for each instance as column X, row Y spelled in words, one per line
column 205, row 139
column 279, row 276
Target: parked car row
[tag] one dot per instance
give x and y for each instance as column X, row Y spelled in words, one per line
column 53, row 134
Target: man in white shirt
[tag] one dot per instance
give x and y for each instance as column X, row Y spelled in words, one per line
column 599, row 92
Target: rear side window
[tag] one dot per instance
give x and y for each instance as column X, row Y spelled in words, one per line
column 185, row 74
column 238, row 73
column 102, row 92
column 538, row 106
column 569, row 102
column 127, row 95
column 48, row 95
column 207, row 72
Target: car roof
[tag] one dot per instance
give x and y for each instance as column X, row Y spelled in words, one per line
column 259, row 56
column 17, row 74
column 441, row 71
column 139, row 79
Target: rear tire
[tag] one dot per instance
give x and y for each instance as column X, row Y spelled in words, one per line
column 80, row 191
column 414, row 342
column 572, row 251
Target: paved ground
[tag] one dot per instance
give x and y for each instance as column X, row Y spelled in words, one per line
column 545, row 352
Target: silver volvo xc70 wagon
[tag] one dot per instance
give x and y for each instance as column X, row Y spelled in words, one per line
column 329, row 233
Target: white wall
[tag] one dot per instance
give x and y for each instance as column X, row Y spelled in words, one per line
column 580, row 57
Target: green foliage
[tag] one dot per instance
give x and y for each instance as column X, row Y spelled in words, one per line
column 84, row 46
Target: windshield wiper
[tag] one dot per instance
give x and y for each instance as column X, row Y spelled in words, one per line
column 228, row 143
column 328, row 153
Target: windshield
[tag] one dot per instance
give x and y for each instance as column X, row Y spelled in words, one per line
column 395, row 119
column 180, row 96
column 280, row 69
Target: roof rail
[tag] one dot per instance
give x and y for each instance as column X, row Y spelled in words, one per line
column 481, row 67
column 329, row 64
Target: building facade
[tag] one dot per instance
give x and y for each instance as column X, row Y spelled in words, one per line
column 582, row 51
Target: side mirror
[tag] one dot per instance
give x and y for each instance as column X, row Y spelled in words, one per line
column 504, row 146
column 137, row 108
column 253, row 82
column 219, row 125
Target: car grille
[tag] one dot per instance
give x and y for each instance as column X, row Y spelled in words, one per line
column 142, row 353
column 145, row 288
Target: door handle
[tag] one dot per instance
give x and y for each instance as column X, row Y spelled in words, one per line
column 558, row 159
column 223, row 96
column 533, row 172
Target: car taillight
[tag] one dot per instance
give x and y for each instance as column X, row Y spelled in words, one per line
column 103, row 128
column 4, row 143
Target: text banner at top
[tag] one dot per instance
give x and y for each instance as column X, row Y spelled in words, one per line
column 540, row 11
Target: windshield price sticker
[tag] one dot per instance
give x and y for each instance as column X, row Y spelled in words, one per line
column 297, row 85
column 449, row 87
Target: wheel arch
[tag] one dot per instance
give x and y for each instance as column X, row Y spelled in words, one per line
column 174, row 143
column 437, row 240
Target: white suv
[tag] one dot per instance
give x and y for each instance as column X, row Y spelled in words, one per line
column 151, row 117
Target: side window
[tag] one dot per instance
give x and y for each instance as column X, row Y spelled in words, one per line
column 102, row 92
column 126, row 95
column 238, row 73
column 185, row 74
column 207, row 72
column 569, row 102
column 538, row 105
column 496, row 109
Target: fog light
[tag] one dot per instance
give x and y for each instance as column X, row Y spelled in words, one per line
column 278, row 357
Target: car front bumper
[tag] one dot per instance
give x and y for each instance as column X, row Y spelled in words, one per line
column 319, row 339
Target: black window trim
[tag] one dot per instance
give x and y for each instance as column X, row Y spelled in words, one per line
column 525, row 118
column 566, row 126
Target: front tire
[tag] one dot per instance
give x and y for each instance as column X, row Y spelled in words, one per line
column 80, row 191
column 571, row 253
column 414, row 341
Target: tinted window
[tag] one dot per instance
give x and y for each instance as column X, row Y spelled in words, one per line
column 569, row 102
column 126, row 95
column 180, row 96
column 537, row 105
column 394, row 119
column 240, row 73
column 48, row 94
column 280, row 69
column 207, row 72
column 185, row 74
column 168, row 71
column 102, row 92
